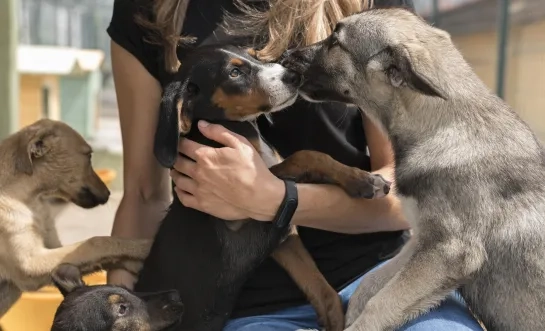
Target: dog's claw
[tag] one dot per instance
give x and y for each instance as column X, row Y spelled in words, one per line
column 369, row 186
column 381, row 186
column 134, row 267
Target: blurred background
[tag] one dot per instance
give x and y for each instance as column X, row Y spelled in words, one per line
column 54, row 63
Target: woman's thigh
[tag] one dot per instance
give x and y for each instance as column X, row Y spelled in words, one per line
column 291, row 319
column 451, row 315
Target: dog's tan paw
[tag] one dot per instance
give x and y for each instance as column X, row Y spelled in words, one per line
column 331, row 316
column 381, row 186
column 134, row 267
column 367, row 186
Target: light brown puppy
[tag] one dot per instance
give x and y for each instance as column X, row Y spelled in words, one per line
column 44, row 167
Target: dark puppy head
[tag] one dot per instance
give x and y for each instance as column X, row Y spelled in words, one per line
column 369, row 57
column 110, row 308
column 218, row 83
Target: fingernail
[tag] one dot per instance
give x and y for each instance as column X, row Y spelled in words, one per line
column 203, row 124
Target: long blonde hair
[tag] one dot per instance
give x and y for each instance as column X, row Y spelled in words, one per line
column 285, row 23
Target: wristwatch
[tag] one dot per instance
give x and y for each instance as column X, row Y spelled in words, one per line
column 288, row 206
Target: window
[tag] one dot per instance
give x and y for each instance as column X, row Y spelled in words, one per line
column 46, row 109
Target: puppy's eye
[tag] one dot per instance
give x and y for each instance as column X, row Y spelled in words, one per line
column 192, row 89
column 235, row 73
column 122, row 310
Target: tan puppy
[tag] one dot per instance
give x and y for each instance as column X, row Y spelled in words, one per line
column 42, row 167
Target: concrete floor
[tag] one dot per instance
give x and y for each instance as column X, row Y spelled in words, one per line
column 75, row 224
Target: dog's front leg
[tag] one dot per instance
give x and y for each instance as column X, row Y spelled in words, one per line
column 36, row 263
column 375, row 280
column 319, row 168
column 298, row 263
column 423, row 282
column 51, row 238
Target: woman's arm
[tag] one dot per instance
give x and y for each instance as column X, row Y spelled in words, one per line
column 329, row 208
column 234, row 183
column 146, row 184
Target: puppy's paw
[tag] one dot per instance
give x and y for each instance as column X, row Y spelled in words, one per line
column 132, row 266
column 368, row 186
column 330, row 314
column 381, row 186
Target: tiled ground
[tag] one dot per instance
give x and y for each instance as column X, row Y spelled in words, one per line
column 76, row 224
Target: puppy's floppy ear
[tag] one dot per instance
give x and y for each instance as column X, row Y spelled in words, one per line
column 67, row 278
column 175, row 117
column 252, row 52
column 414, row 66
column 31, row 147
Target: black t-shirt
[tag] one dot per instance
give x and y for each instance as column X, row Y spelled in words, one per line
column 332, row 128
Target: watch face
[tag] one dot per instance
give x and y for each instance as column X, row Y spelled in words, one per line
column 288, row 206
column 288, row 211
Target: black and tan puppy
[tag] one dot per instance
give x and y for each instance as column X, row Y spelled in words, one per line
column 110, row 308
column 208, row 259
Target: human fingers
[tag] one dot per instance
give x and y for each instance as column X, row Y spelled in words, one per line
column 183, row 183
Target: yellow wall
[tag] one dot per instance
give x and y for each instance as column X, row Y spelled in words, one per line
column 525, row 72
column 30, row 97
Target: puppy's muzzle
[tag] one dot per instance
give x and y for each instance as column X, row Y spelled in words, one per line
column 175, row 304
column 292, row 78
column 166, row 306
column 87, row 199
column 297, row 60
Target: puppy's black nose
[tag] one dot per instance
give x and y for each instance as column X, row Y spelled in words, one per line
column 292, row 78
column 286, row 54
column 174, row 296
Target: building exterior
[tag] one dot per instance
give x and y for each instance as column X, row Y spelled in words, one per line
column 473, row 27
column 59, row 83
column 61, row 53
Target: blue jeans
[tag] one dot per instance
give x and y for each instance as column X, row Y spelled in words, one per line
column 451, row 315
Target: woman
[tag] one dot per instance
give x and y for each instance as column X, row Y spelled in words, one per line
column 346, row 237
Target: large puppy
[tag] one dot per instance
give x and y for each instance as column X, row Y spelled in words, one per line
column 205, row 258
column 469, row 171
column 43, row 167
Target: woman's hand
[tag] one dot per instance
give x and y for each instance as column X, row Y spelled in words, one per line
column 231, row 182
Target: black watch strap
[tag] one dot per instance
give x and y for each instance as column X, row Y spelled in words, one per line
column 288, row 206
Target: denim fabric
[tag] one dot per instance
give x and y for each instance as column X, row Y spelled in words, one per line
column 451, row 315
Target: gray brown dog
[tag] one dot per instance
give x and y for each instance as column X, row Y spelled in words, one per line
column 469, row 172
column 43, row 167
